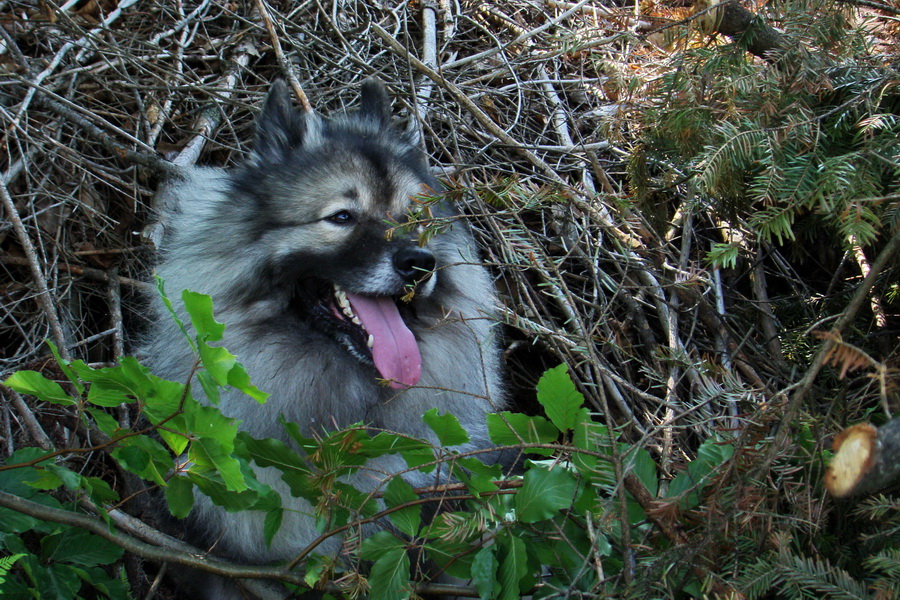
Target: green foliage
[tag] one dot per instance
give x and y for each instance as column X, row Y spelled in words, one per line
column 723, row 255
column 768, row 146
column 800, row 577
column 565, row 524
column 6, row 563
column 791, row 568
column 800, row 151
column 67, row 559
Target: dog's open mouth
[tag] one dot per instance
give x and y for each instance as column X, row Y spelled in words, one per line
column 373, row 330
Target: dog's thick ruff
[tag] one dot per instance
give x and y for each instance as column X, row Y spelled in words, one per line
column 293, row 247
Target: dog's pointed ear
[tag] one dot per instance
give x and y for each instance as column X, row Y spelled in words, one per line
column 280, row 127
column 376, row 104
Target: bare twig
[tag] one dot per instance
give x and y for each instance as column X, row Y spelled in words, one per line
column 479, row 114
column 39, row 78
column 44, row 298
column 286, row 68
column 31, row 423
column 804, row 386
column 173, row 554
column 89, row 272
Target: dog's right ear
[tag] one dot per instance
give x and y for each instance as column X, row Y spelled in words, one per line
column 280, row 127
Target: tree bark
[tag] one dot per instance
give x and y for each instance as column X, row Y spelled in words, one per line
column 761, row 39
column 866, row 460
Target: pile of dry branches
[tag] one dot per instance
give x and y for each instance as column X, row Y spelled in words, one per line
column 526, row 106
column 526, row 109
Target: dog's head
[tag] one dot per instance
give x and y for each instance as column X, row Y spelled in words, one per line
column 331, row 199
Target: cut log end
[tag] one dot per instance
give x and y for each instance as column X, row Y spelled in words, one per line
column 854, row 457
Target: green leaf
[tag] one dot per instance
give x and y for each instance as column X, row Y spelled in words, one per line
column 162, row 398
column 209, row 386
column 44, row 479
column 446, row 427
column 70, row 479
column 316, row 566
column 57, row 582
column 79, row 547
column 711, row 454
column 217, row 361
column 161, row 288
column 98, row 490
column 594, row 437
column 207, row 452
column 16, row 480
column 200, row 308
column 145, row 457
column 414, row 452
column 6, row 563
column 356, row 501
column 210, row 484
column 644, row 467
column 681, row 484
column 408, row 519
column 111, row 386
column 484, row 573
column 106, row 396
column 723, row 255
column 105, row 422
column 15, row 545
column 478, row 477
column 378, row 544
column 269, row 452
column 65, row 367
column 35, row 384
column 307, row 444
column 208, row 422
column 240, row 380
column 544, row 493
column 513, row 566
column 133, row 458
column 102, row 582
column 180, row 496
column 510, row 429
column 271, row 504
column 12, row 521
column 557, row 394
column 224, row 370
column 389, row 577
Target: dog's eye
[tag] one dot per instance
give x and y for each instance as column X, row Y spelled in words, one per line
column 341, row 217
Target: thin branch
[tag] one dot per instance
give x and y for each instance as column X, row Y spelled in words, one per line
column 805, row 385
column 464, row 100
column 286, row 67
column 31, row 423
column 44, row 298
column 194, row 558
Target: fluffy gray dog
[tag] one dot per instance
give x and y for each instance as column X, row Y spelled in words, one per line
column 333, row 311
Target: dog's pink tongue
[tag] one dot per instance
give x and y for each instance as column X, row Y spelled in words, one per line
column 395, row 352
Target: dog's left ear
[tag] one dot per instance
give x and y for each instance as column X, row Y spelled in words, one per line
column 376, row 104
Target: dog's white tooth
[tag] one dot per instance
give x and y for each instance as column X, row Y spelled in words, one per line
column 355, row 320
column 348, row 312
column 341, row 296
column 371, row 341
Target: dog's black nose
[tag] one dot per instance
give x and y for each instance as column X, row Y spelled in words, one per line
column 414, row 264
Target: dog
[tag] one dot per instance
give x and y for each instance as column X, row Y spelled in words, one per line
column 331, row 301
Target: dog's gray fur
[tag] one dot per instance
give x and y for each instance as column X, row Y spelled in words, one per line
column 263, row 239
